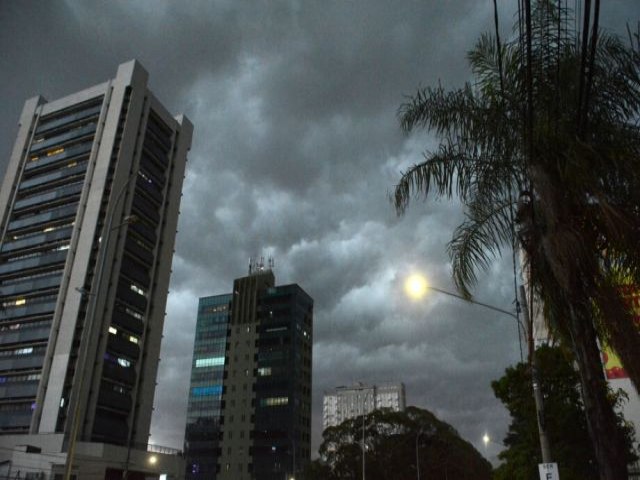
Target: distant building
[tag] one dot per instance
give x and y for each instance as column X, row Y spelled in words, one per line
column 349, row 402
column 250, row 397
column 88, row 214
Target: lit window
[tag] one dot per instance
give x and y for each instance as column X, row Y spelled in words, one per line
column 138, row 290
column 51, row 153
column 264, row 372
column 210, row 362
column 124, row 363
column 72, row 164
column 113, row 330
column 21, row 301
column 34, row 158
column 134, row 314
column 205, row 391
column 274, row 401
column 24, row 351
column 49, row 229
column 63, row 247
column 133, row 339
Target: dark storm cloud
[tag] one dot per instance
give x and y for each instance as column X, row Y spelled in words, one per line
column 295, row 148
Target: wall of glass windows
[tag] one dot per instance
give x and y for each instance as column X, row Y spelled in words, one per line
column 206, row 388
column 34, row 250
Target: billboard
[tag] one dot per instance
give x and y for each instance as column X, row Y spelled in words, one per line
column 612, row 365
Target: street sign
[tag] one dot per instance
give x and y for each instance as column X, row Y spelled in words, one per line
column 548, row 471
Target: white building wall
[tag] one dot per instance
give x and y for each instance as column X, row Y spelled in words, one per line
column 344, row 403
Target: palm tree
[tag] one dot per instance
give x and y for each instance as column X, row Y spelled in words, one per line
column 543, row 150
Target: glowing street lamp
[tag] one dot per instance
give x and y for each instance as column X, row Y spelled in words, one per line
column 486, row 439
column 416, row 286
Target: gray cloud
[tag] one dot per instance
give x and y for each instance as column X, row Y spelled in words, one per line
column 296, row 147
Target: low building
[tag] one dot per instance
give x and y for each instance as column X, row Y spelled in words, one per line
column 344, row 403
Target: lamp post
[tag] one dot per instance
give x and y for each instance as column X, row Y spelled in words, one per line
column 430, row 431
column 416, row 287
column 364, row 389
column 418, row 455
column 81, row 362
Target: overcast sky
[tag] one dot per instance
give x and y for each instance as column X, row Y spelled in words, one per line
column 296, row 147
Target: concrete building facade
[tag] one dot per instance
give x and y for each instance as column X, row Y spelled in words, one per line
column 88, row 214
column 344, row 403
column 265, row 406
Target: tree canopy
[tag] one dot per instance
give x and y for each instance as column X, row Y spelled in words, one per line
column 564, row 416
column 391, row 439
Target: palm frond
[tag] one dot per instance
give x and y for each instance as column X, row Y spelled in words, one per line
column 479, row 240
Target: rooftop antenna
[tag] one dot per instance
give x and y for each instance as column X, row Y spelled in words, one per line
column 259, row 265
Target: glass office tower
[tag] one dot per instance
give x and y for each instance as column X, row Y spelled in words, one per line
column 264, row 427
column 205, row 390
column 88, row 215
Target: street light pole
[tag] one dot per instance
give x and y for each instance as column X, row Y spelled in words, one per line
column 81, row 362
column 475, row 302
column 364, row 399
column 545, row 449
column 418, row 455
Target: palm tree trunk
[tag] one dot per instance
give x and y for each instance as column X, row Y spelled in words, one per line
column 606, row 437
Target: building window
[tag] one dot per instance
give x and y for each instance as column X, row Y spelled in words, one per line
column 274, row 401
column 209, row 362
column 205, row 391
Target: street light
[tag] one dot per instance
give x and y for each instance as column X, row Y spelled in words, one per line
column 82, row 361
column 486, row 439
column 416, row 287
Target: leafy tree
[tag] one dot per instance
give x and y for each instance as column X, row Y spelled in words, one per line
column 564, row 417
column 391, row 440
column 543, row 149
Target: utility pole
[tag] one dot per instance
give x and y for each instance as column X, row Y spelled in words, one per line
column 537, row 393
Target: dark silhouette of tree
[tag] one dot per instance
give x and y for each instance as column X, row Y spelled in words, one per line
column 391, row 440
column 543, row 149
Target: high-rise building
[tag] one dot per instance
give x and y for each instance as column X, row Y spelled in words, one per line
column 88, row 215
column 261, row 405
column 344, row 403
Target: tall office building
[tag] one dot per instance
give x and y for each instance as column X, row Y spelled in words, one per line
column 344, row 403
column 88, row 214
column 256, row 393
